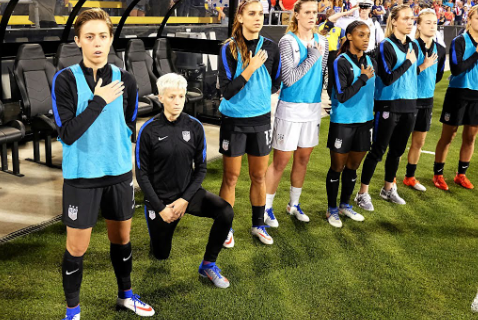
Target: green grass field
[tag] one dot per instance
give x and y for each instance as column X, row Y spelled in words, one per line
column 403, row 262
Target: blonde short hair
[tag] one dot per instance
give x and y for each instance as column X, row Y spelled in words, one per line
column 171, row 81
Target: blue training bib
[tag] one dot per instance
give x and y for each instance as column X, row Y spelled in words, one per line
column 469, row 78
column 105, row 148
column 359, row 108
column 405, row 87
column 255, row 98
column 427, row 78
column 307, row 89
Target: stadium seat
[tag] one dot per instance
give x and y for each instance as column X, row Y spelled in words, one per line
column 113, row 58
column 163, row 64
column 67, row 55
column 11, row 132
column 140, row 64
column 33, row 76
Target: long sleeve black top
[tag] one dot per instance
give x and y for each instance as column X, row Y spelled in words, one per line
column 71, row 127
column 170, row 159
column 441, row 52
column 386, row 60
column 458, row 65
column 343, row 71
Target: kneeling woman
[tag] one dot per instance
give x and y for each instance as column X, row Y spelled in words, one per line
column 167, row 146
column 351, row 119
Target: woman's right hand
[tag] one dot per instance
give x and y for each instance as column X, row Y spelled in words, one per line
column 369, row 72
column 168, row 215
column 258, row 60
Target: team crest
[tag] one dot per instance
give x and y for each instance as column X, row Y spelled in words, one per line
column 225, row 145
column 447, row 116
column 72, row 212
column 386, row 114
column 186, row 135
column 280, row 137
column 338, row 143
column 152, row 214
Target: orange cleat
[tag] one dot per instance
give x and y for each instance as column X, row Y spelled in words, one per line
column 439, row 182
column 462, row 180
column 414, row 183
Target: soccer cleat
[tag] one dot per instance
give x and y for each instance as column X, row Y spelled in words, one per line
column 229, row 243
column 392, row 196
column 440, row 182
column 364, row 201
column 474, row 304
column 297, row 212
column 262, row 234
column 462, row 180
column 346, row 210
column 270, row 218
column 213, row 273
column 414, row 183
column 333, row 217
column 134, row 304
column 72, row 313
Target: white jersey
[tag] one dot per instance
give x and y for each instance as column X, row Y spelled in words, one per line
column 376, row 32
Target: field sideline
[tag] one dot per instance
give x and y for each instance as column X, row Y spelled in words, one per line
column 416, row 261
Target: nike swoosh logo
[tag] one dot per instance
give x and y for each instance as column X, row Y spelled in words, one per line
column 465, row 167
column 70, row 273
column 161, row 139
column 229, row 242
column 440, row 170
column 353, row 180
column 334, row 180
column 126, row 259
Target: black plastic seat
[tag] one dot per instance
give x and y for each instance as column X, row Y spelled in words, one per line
column 140, row 64
column 11, row 132
column 113, row 58
column 163, row 64
column 33, row 76
column 67, row 55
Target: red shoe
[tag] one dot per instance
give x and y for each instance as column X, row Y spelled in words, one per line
column 463, row 181
column 414, row 183
column 439, row 182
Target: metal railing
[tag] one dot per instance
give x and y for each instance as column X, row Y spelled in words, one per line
column 36, row 14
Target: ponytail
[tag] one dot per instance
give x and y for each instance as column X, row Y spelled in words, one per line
column 237, row 37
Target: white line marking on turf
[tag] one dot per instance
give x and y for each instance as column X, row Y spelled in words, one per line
column 429, row 152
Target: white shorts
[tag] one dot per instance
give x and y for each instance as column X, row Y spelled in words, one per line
column 287, row 135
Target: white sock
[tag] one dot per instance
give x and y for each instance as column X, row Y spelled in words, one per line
column 269, row 200
column 294, row 195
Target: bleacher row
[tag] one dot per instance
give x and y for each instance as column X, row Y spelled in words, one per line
column 31, row 79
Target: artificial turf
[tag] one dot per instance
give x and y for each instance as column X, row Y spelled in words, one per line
column 403, row 262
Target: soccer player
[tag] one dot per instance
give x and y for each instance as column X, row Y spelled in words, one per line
column 431, row 61
column 168, row 145
column 95, row 107
column 461, row 104
column 351, row 119
column 297, row 117
column 249, row 72
column 395, row 105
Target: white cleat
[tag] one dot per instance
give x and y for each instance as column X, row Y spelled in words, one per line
column 347, row 210
column 270, row 219
column 297, row 212
column 229, row 243
column 364, row 201
column 262, row 234
column 137, row 306
column 333, row 217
